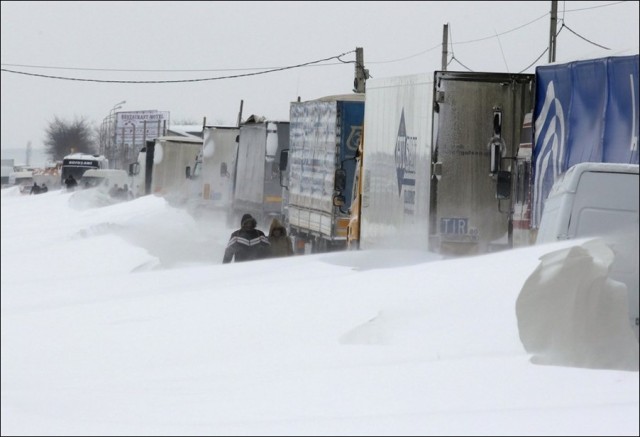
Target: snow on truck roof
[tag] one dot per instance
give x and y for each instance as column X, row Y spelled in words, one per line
column 177, row 139
column 85, row 156
column 354, row 97
column 568, row 182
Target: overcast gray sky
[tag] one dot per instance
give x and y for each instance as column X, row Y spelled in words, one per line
column 174, row 41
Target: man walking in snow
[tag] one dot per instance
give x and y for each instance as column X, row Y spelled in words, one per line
column 35, row 188
column 71, row 183
column 247, row 243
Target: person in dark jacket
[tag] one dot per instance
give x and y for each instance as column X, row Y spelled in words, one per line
column 247, row 243
column 35, row 188
column 70, row 182
column 280, row 242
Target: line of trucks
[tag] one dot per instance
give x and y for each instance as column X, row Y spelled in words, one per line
column 459, row 163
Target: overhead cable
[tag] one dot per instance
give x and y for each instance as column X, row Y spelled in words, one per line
column 181, row 80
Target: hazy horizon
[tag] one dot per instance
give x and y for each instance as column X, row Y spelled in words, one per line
column 207, row 57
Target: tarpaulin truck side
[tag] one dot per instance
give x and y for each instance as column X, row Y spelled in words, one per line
column 324, row 137
column 585, row 111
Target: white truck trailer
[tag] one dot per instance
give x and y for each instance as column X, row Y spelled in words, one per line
column 437, row 149
column 396, row 163
column 164, row 166
column 257, row 190
column 213, row 170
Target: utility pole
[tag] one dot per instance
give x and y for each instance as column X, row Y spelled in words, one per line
column 361, row 73
column 240, row 113
column 111, row 145
column 28, row 156
column 553, row 31
column 445, row 44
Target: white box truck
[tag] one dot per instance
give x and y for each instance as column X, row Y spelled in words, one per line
column 437, row 149
column 213, row 170
column 257, row 190
column 164, row 166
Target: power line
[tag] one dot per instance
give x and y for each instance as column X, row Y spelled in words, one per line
column 582, row 37
column 594, row 7
column 130, row 70
column 407, row 57
column 541, row 54
column 502, row 51
column 558, row 33
column 273, row 69
column 495, row 35
column 534, row 62
column 503, row 33
column 181, row 80
column 453, row 58
column 462, row 42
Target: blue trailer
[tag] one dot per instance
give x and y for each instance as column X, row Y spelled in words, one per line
column 585, row 111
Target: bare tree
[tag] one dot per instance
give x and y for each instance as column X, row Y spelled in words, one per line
column 185, row 122
column 63, row 138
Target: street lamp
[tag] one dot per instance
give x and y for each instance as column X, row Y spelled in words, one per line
column 111, row 131
column 103, row 136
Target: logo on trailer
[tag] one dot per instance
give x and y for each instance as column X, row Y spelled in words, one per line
column 405, row 153
column 550, row 144
column 353, row 140
column 80, row 163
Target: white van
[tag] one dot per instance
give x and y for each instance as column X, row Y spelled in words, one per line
column 105, row 178
column 591, row 199
column 599, row 200
column 23, row 179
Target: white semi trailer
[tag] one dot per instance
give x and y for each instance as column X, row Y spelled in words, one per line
column 163, row 168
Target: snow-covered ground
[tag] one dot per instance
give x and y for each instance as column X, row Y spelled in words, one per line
column 121, row 320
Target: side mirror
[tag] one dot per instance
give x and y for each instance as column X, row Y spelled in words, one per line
column 223, row 170
column 340, row 181
column 134, row 169
column 495, row 157
column 503, row 185
column 187, row 172
column 497, row 122
column 284, row 159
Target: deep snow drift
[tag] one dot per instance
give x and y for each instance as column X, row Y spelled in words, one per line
column 121, row 320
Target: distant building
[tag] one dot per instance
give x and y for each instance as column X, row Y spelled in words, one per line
column 7, row 169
